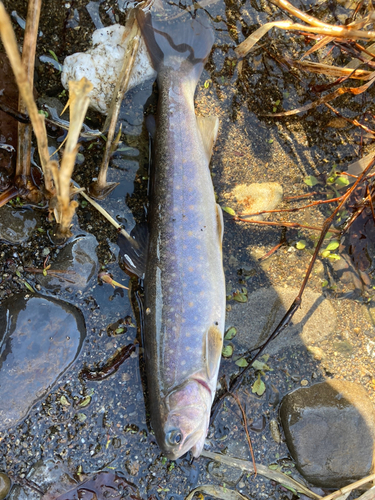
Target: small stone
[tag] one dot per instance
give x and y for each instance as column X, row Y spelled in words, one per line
column 132, row 466
column 256, row 197
column 304, row 382
column 317, row 352
column 76, row 265
column 16, row 226
column 40, row 338
column 4, row 485
column 330, row 432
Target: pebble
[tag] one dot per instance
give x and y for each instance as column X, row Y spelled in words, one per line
column 256, row 197
column 4, row 485
column 330, row 432
column 102, row 65
column 52, row 476
column 79, row 262
column 40, row 337
column 313, row 321
column 16, row 225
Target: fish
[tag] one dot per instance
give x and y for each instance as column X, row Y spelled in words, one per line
column 184, row 284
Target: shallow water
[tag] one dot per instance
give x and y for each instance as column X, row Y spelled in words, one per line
column 114, row 430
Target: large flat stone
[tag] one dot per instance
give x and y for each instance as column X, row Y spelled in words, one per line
column 256, row 319
column 40, row 338
column 330, row 432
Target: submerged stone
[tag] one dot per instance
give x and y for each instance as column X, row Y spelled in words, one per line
column 74, row 267
column 40, row 337
column 16, row 226
column 251, row 198
column 4, row 485
column 330, row 432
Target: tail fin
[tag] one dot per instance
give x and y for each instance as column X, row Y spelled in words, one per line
column 180, row 45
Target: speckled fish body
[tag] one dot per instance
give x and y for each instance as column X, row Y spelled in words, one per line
column 184, row 279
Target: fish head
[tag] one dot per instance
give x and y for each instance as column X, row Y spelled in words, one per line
column 188, row 410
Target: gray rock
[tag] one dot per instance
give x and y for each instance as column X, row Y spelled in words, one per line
column 256, row 319
column 330, row 432
column 4, row 485
column 52, row 476
column 40, row 337
column 16, row 226
column 76, row 265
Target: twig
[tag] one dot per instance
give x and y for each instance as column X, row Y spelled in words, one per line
column 283, row 224
column 100, row 209
column 37, row 120
column 296, row 209
column 273, row 475
column 100, row 188
column 349, row 488
column 247, row 432
column 23, row 165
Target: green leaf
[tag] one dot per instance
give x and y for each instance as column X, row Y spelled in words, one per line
column 229, row 210
column 270, row 141
column 274, row 467
column 333, row 245
column 240, row 297
column 259, row 366
column 64, row 401
column 342, row 181
column 227, row 351
column 241, row 362
column 258, row 386
column 277, row 102
column 85, row 402
column 28, row 286
column 334, row 256
column 311, row 180
column 53, row 55
column 81, row 417
column 325, row 253
column 232, row 332
column 207, row 83
column 300, row 245
column 324, row 283
column 120, row 330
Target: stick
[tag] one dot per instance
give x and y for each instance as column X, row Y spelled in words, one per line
column 23, row 164
column 350, row 487
column 10, row 44
column 273, row 475
column 100, row 188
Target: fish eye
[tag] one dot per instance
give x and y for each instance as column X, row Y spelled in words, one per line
column 174, row 437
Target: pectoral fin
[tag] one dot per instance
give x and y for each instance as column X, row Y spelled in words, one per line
column 214, row 346
column 209, row 127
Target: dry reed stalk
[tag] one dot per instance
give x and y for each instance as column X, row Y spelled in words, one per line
column 23, row 165
column 100, row 188
column 9, row 41
column 78, row 104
